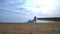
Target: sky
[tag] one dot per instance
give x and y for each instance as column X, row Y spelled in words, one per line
column 24, row 10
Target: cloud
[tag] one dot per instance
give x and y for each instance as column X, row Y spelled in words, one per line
column 11, row 4
column 27, row 9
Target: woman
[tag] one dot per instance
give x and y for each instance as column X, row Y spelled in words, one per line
column 35, row 18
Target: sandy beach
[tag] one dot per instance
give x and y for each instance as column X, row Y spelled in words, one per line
column 29, row 28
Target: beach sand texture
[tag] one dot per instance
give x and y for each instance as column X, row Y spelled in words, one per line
column 29, row 28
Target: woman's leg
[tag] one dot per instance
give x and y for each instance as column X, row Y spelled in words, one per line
column 35, row 22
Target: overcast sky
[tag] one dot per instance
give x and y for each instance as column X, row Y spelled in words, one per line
column 23, row 10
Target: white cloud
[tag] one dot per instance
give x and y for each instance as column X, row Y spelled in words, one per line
column 26, row 9
column 46, row 7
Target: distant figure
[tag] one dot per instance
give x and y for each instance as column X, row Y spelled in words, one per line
column 35, row 18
